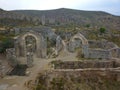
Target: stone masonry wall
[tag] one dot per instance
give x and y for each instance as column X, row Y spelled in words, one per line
column 99, row 53
column 109, row 73
column 92, row 79
column 101, row 44
column 11, row 57
column 85, row 64
column 115, row 52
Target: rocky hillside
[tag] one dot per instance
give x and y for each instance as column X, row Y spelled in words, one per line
column 62, row 17
column 69, row 16
column 11, row 19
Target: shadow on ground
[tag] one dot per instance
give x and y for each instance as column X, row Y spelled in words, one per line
column 19, row 70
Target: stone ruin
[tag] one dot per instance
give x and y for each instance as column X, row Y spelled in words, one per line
column 79, row 41
column 7, row 65
column 11, row 57
column 94, row 49
column 86, row 64
column 33, row 43
column 36, row 40
column 29, row 59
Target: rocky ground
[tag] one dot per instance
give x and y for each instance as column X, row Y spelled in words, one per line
column 15, row 82
column 18, row 82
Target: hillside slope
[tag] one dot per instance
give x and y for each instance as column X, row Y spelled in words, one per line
column 59, row 17
column 69, row 16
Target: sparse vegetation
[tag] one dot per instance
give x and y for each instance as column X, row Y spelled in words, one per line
column 87, row 25
column 6, row 43
column 102, row 30
column 66, row 23
column 87, row 80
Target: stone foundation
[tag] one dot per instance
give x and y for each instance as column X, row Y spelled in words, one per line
column 85, row 64
column 97, row 79
column 99, row 53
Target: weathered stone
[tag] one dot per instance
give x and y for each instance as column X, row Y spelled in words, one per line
column 59, row 45
column 83, row 44
column 11, row 56
column 40, row 45
column 94, row 49
column 29, row 59
column 100, row 54
column 84, row 64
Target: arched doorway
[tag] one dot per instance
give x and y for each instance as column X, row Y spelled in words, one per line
column 83, row 42
column 31, row 41
column 30, row 44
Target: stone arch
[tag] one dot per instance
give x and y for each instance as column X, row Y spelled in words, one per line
column 20, row 44
column 81, row 37
column 84, row 43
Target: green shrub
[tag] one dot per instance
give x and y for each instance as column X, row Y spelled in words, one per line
column 102, row 30
column 88, row 25
column 6, row 43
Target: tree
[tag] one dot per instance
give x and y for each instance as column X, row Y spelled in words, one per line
column 102, row 30
column 88, row 25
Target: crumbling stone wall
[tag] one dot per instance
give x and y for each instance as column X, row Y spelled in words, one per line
column 88, row 79
column 85, row 64
column 99, row 53
column 94, row 48
column 20, row 44
column 11, row 57
column 83, row 44
column 118, row 53
column 103, row 50
column 29, row 59
column 115, row 52
column 103, row 44
column 108, row 73
column 74, row 45
column 59, row 44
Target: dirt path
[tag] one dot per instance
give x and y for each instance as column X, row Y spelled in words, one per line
column 18, row 82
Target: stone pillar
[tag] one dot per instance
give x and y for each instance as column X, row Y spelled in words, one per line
column 29, row 59
column 43, row 48
column 71, row 46
column 11, row 57
column 58, row 44
column 85, row 51
column 16, row 46
column 1, row 73
column 2, row 70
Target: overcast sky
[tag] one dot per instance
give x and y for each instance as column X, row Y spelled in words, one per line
column 111, row 6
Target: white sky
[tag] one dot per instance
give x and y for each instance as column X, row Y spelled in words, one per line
column 111, row 6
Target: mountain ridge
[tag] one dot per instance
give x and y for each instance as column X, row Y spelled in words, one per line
column 65, row 16
column 64, row 9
